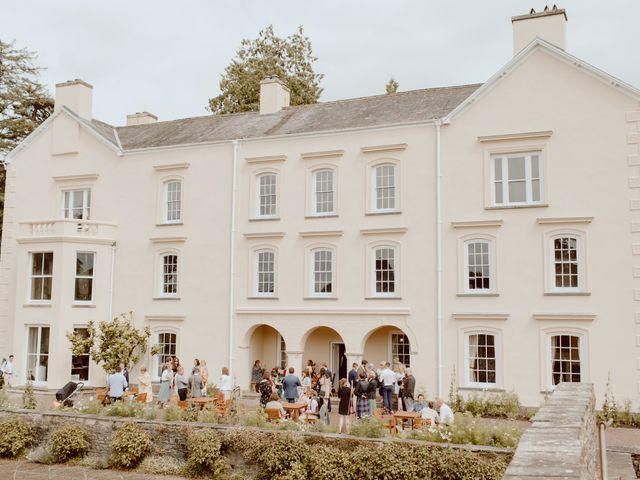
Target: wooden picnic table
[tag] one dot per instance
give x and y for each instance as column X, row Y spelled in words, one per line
column 294, row 409
column 403, row 416
column 202, row 402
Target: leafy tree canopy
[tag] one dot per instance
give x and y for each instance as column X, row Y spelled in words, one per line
column 391, row 86
column 291, row 59
column 112, row 343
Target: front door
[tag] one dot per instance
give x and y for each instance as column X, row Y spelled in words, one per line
column 338, row 362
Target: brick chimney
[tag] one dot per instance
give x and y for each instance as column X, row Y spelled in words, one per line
column 549, row 25
column 274, row 95
column 141, row 118
column 76, row 95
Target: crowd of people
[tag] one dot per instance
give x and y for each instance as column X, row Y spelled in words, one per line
column 358, row 393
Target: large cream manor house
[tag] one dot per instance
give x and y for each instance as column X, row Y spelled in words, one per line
column 490, row 230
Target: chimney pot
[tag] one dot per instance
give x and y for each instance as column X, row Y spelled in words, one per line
column 76, row 95
column 274, row 95
column 141, row 118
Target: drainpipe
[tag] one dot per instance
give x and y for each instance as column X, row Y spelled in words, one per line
column 113, row 267
column 439, row 255
column 232, row 248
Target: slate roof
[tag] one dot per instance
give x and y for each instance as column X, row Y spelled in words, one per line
column 403, row 107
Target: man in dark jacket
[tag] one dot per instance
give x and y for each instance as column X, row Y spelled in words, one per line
column 290, row 385
column 371, row 391
column 408, row 389
column 353, row 376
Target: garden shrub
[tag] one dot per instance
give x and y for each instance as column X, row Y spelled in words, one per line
column 162, row 465
column 90, row 407
column 28, row 399
column 281, row 455
column 256, row 418
column 500, row 405
column 16, row 434
column 129, row 445
column 173, row 413
column 69, row 441
column 204, row 458
column 248, row 442
column 208, row 416
column 369, row 427
column 124, row 409
column 189, row 414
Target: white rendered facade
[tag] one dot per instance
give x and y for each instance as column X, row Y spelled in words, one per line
column 324, row 244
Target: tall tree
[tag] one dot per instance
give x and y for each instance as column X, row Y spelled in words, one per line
column 392, row 86
column 290, row 58
column 24, row 102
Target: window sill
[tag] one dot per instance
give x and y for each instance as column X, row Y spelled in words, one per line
column 166, row 298
column 567, row 294
column 509, row 207
column 83, row 305
column 490, row 294
column 263, row 219
column 383, row 298
column 391, row 212
column 37, row 305
column 321, row 298
column 169, row 224
column 482, row 389
column 329, row 215
column 258, row 297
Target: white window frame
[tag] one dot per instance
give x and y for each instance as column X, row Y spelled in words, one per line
column 161, row 276
column 390, row 353
column 505, row 178
column 67, row 212
column 373, row 248
column 371, row 182
column 549, row 262
column 465, row 264
column 582, row 348
column 91, row 277
column 281, row 353
column 165, row 200
column 86, row 355
column 258, row 194
column 313, row 200
column 156, row 358
column 256, row 273
column 374, row 187
column 32, row 277
column 312, row 250
column 467, row 377
column 38, row 354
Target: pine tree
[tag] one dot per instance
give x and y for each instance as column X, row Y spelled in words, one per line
column 391, row 86
column 291, row 59
column 24, row 102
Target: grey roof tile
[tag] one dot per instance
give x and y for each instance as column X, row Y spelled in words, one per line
column 403, row 107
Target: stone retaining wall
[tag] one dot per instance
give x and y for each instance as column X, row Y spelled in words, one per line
column 169, row 438
column 562, row 440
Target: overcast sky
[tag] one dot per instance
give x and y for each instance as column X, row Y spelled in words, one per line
column 166, row 57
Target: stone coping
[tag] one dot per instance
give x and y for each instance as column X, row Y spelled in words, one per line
column 217, row 426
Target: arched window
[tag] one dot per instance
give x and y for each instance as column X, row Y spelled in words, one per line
column 400, row 348
column 266, row 195
column 172, row 201
column 265, row 268
column 323, row 192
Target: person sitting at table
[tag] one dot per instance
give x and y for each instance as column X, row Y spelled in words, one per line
column 445, row 413
column 274, row 404
column 265, row 387
column 290, row 385
column 428, row 413
column 195, row 384
column 419, row 405
column 182, row 384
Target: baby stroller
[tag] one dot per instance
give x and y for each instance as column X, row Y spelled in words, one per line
column 68, row 393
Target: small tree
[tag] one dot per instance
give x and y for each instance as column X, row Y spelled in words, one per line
column 28, row 400
column 392, row 86
column 112, row 343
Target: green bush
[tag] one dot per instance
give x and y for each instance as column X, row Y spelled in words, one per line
column 124, row 409
column 69, row 441
column 173, row 413
column 90, row 407
column 501, row 405
column 369, row 427
column 204, row 458
column 28, row 399
column 256, row 418
column 208, row 416
column 16, row 434
column 129, row 445
column 281, row 455
column 190, row 414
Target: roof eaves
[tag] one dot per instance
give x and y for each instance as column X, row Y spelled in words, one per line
column 30, row 138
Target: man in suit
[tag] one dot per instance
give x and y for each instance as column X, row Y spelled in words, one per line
column 290, row 385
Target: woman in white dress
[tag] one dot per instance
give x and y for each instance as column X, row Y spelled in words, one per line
column 204, row 375
column 226, row 383
column 145, row 384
